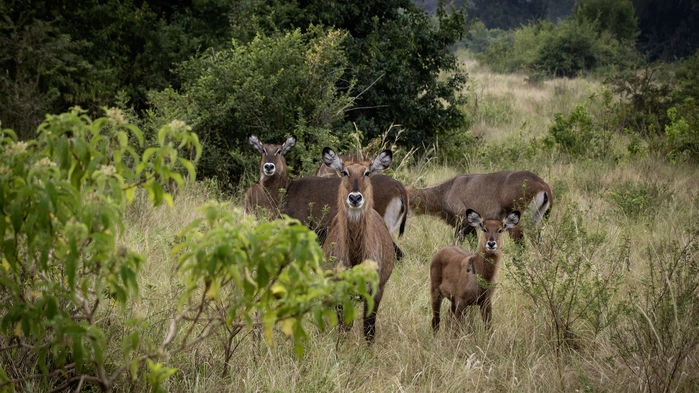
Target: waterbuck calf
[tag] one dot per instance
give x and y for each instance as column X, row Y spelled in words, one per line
column 357, row 232
column 491, row 194
column 469, row 279
column 267, row 193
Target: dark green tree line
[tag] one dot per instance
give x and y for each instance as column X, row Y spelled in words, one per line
column 398, row 70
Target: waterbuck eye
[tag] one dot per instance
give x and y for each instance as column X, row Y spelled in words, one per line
column 344, row 173
column 367, row 173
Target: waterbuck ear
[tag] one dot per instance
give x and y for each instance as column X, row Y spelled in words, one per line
column 382, row 161
column 290, row 142
column 256, row 144
column 474, row 219
column 331, row 159
column 511, row 220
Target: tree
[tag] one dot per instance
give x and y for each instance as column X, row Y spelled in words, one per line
column 667, row 28
column 273, row 86
column 397, row 55
column 616, row 17
column 507, row 14
column 93, row 53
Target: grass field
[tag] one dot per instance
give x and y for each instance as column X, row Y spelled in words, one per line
column 603, row 298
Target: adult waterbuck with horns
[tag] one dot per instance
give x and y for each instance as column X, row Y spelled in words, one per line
column 357, row 232
column 469, row 279
column 493, row 195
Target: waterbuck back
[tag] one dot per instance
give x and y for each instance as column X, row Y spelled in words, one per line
column 266, row 194
column 357, row 232
column 465, row 278
column 491, row 194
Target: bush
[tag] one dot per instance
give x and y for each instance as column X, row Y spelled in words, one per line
column 635, row 200
column 581, row 135
column 566, row 51
column 567, row 271
column 682, row 135
column 598, row 38
column 656, row 335
column 63, row 201
column 271, row 87
column 68, row 285
column 646, row 98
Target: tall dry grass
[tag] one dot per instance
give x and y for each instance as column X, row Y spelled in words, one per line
column 519, row 354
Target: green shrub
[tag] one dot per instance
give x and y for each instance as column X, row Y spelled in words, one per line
column 566, row 51
column 271, row 87
column 568, row 272
column 581, row 135
column 68, row 284
column 258, row 275
column 646, row 98
column 634, row 200
column 682, row 135
column 63, row 201
column 656, row 337
column 571, row 48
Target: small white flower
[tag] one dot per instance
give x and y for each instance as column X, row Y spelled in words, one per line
column 108, row 170
column 116, row 116
column 179, row 125
column 45, row 163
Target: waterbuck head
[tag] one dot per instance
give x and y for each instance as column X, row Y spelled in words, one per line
column 355, row 191
column 492, row 229
column 273, row 160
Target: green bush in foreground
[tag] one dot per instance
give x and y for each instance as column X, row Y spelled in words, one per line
column 67, row 282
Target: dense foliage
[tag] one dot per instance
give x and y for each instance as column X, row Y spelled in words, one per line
column 93, row 53
column 68, row 283
column 399, row 66
column 595, row 37
column 272, row 86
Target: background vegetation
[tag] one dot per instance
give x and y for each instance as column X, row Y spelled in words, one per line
column 122, row 272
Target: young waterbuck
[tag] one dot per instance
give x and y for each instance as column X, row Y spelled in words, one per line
column 469, row 279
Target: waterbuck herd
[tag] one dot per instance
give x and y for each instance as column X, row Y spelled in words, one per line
column 357, row 213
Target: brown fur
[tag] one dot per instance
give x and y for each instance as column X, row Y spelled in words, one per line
column 347, row 158
column 458, row 276
column 491, row 194
column 273, row 177
column 312, row 200
column 357, row 232
column 390, row 197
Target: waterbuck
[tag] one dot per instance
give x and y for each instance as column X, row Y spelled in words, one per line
column 469, row 279
column 491, row 194
column 312, row 200
column 357, row 232
column 267, row 193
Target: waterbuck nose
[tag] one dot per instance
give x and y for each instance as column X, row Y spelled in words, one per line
column 492, row 244
column 269, row 167
column 355, row 199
